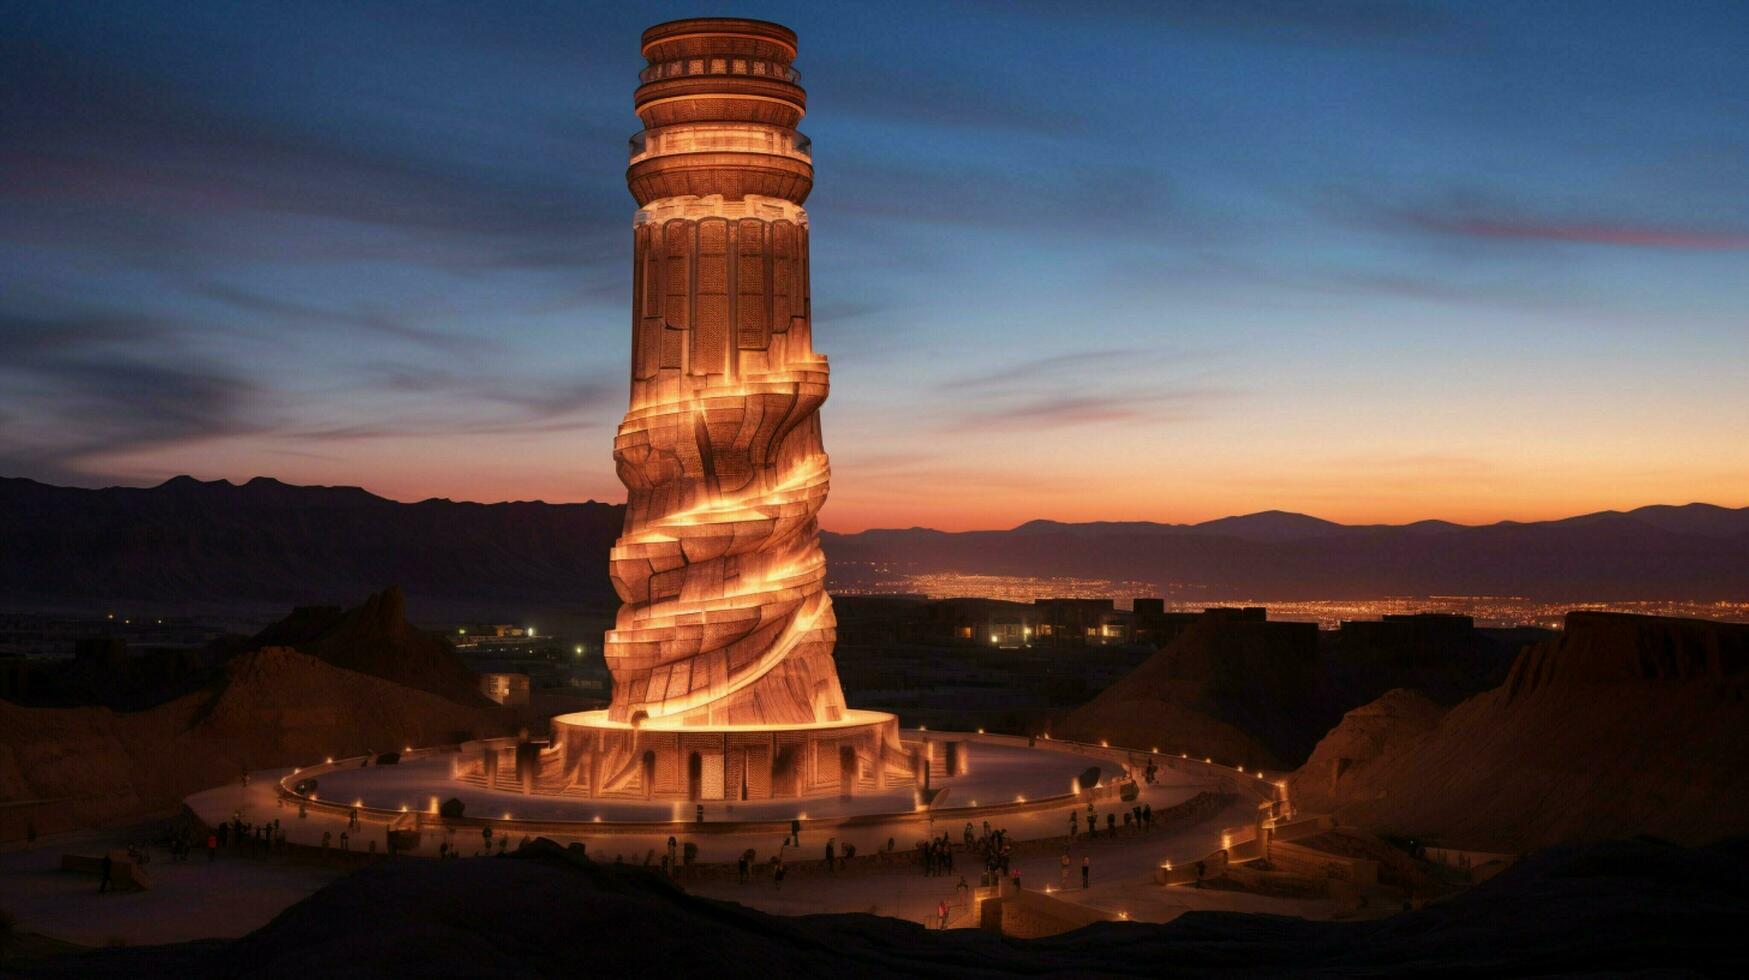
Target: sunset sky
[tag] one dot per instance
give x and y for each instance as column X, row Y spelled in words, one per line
column 1371, row 261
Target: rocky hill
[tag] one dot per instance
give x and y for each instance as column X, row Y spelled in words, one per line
column 375, row 638
column 1604, row 909
column 266, row 544
column 1621, row 725
column 272, row 707
column 1262, row 693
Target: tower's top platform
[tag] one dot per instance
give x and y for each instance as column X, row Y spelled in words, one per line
column 722, row 36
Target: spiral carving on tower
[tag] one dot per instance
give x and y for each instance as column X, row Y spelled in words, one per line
column 725, row 619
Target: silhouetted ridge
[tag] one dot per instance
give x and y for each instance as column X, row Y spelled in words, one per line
column 271, row 544
column 1697, row 551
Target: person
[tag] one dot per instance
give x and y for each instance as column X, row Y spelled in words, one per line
column 345, row 841
column 778, row 875
column 741, row 869
column 831, row 853
column 1074, row 823
column 1111, row 823
column 1126, row 821
column 1201, row 869
column 1086, row 871
column 108, row 868
column 354, row 818
column 941, row 913
column 1092, row 822
column 970, row 836
column 673, row 861
column 795, row 831
column 212, row 847
column 443, row 850
column 1065, row 879
column 1147, row 816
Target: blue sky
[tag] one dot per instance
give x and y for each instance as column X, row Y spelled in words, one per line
column 1368, row 260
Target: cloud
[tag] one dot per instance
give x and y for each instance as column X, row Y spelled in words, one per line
column 1608, row 233
column 449, row 404
column 378, row 323
column 98, row 145
column 1078, row 362
column 86, row 387
column 1059, row 410
column 1491, row 218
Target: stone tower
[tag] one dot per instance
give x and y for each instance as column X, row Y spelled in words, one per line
column 725, row 618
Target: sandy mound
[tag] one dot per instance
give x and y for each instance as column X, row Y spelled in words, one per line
column 1229, row 689
column 1623, row 725
column 274, row 707
column 375, row 638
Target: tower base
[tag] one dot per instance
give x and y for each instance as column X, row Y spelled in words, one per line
column 594, row 757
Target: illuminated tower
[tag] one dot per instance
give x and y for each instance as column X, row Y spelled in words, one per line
column 724, row 686
column 726, row 619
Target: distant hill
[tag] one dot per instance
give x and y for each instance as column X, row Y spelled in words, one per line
column 270, row 545
column 1695, row 551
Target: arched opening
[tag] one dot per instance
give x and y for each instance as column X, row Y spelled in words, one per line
column 694, row 777
column 649, row 774
column 848, row 770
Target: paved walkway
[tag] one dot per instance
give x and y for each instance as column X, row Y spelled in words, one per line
column 258, row 802
column 195, row 900
column 237, row 894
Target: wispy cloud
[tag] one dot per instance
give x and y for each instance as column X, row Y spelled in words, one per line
column 82, row 388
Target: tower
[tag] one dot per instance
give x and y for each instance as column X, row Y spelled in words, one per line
column 724, row 685
column 725, row 617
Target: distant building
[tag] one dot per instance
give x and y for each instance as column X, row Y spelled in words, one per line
column 1083, row 622
column 981, row 622
column 506, row 689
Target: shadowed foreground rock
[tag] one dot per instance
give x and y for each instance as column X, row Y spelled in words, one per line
column 1620, row 906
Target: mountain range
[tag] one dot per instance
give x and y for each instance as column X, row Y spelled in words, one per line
column 1694, row 551
column 267, row 544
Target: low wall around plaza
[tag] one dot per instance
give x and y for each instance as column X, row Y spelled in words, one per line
column 1121, row 763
